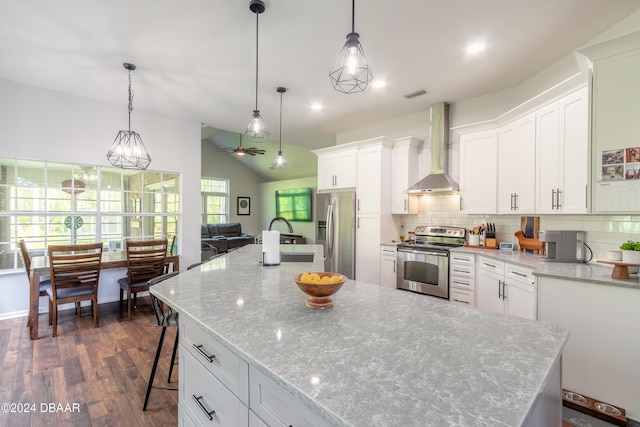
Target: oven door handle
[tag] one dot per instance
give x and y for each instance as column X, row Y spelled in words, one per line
column 440, row 254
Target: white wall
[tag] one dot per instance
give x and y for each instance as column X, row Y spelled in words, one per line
column 243, row 182
column 42, row 124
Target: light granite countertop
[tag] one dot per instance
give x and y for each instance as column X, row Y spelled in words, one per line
column 379, row 357
column 592, row 272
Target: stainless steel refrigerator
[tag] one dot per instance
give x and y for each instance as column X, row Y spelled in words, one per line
column 335, row 224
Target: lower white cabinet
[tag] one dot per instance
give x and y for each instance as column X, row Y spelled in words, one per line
column 388, row 266
column 217, row 388
column 276, row 407
column 462, row 278
column 506, row 288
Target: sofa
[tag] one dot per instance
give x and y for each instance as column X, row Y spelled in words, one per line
column 223, row 237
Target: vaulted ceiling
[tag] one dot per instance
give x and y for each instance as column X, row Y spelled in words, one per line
column 196, row 58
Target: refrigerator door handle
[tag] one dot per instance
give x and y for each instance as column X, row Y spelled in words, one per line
column 329, row 230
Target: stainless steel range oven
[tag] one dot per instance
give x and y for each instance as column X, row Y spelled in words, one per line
column 423, row 266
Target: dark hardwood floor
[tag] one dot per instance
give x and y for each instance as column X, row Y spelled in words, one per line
column 86, row 376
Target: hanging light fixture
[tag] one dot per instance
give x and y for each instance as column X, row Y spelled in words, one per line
column 351, row 73
column 256, row 130
column 280, row 162
column 128, row 150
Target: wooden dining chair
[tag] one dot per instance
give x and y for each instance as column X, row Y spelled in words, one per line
column 44, row 283
column 75, row 273
column 145, row 260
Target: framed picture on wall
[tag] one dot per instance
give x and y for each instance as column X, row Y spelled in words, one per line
column 244, row 205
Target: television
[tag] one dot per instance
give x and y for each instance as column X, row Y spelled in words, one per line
column 294, row 204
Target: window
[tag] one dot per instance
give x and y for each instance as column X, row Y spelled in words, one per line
column 55, row 203
column 294, row 205
column 215, row 200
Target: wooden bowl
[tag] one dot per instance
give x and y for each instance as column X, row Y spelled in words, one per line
column 320, row 293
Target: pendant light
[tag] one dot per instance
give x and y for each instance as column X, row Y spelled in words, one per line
column 128, row 150
column 351, row 73
column 256, row 130
column 280, row 162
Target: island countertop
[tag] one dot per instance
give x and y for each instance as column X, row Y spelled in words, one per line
column 379, row 357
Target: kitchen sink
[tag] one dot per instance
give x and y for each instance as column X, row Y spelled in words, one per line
column 296, row 256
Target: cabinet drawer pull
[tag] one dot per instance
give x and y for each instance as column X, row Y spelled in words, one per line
column 489, row 265
column 519, row 274
column 458, row 300
column 461, row 271
column 203, row 354
column 201, row 406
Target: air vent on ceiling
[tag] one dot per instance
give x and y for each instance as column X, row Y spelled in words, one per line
column 415, row 94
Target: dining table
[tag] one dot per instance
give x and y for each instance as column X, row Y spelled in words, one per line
column 40, row 267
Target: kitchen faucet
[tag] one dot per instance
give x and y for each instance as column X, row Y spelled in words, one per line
column 279, row 218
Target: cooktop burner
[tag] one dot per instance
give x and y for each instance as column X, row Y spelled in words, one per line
column 436, row 237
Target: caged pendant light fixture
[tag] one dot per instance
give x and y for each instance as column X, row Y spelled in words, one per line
column 351, row 73
column 128, row 150
column 256, row 130
column 280, row 162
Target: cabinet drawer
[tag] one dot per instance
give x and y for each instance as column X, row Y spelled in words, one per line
column 207, row 399
column 462, row 270
column 390, row 251
column 489, row 264
column 460, row 282
column 462, row 297
column 459, row 258
column 522, row 275
column 276, row 407
column 216, row 359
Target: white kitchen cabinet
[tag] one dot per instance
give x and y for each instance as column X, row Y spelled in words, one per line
column 388, row 266
column 277, row 408
column 562, row 155
column 462, row 278
column 506, row 288
column 404, row 173
column 373, row 186
column 374, row 222
column 516, row 166
column 478, row 172
column 337, row 167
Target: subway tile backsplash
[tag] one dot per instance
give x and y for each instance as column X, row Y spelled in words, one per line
column 603, row 232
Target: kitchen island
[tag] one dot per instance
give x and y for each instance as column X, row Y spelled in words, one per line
column 379, row 357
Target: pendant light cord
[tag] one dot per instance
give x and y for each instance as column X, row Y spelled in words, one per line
column 353, row 16
column 280, row 121
column 130, row 100
column 257, row 15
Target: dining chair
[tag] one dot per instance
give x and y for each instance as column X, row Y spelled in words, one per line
column 75, row 273
column 145, row 260
column 170, row 252
column 44, row 283
column 165, row 317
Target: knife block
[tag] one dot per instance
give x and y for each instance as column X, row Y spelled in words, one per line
column 491, row 242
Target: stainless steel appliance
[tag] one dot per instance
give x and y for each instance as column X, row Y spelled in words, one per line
column 423, row 266
column 562, row 245
column 336, row 221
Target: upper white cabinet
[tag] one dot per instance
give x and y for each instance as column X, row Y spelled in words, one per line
column 478, row 172
column 337, row 167
column 404, row 173
column 516, row 166
column 562, row 155
column 374, row 176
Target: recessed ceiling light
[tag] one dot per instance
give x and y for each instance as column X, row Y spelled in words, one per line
column 476, row 47
column 316, row 106
column 379, row 83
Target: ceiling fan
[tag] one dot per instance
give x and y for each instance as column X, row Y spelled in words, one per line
column 241, row 151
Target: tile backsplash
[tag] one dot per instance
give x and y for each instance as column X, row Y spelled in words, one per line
column 603, row 232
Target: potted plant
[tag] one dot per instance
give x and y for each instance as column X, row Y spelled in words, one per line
column 631, row 254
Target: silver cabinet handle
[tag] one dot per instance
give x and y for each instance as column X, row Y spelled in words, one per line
column 513, row 205
column 202, row 408
column 394, row 266
column 461, row 271
column 499, row 289
column 558, row 206
column 489, row 265
column 504, row 290
column 519, row 274
column 405, row 205
column 203, row 354
column 516, row 200
column 553, row 199
column 464, row 302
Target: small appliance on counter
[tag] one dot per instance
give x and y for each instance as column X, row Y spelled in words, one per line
column 562, row 245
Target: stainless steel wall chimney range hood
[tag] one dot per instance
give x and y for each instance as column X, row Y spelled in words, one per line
column 437, row 181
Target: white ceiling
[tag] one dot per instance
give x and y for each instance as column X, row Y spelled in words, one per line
column 196, row 58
